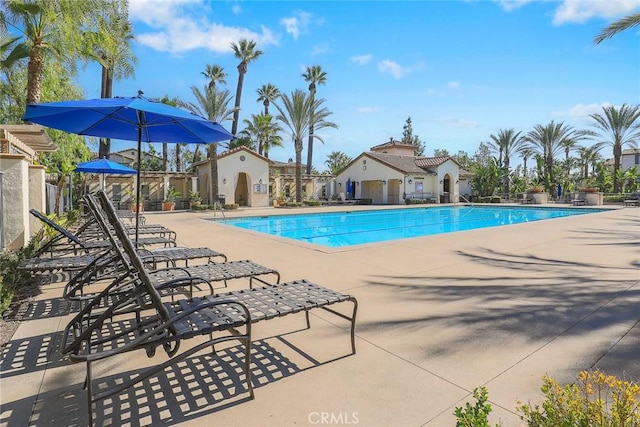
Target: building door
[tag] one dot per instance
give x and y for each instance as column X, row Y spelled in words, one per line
column 241, row 194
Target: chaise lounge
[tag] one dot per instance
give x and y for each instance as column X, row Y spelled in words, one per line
column 140, row 319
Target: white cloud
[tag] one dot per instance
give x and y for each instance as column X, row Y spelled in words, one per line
column 362, row 59
column 510, row 5
column 320, row 49
column 582, row 111
column 453, row 85
column 236, row 9
column 393, row 68
column 297, row 24
column 459, row 123
column 366, row 110
column 582, row 10
column 181, row 25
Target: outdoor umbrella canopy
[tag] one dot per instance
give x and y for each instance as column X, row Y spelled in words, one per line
column 104, row 166
column 133, row 119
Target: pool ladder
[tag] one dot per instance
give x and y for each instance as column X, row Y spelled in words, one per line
column 218, row 206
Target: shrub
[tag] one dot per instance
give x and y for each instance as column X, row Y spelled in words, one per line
column 12, row 280
column 596, row 400
column 312, row 202
column 496, row 199
column 229, row 206
column 476, row 415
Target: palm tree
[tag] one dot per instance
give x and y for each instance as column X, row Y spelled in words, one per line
column 267, row 94
column 507, row 142
column 215, row 74
column 44, row 31
column 549, row 140
column 618, row 127
column 526, row 151
column 336, row 161
column 214, row 105
column 265, row 131
column 110, row 46
column 295, row 115
column 588, row 156
column 245, row 51
column 313, row 75
column 618, row 26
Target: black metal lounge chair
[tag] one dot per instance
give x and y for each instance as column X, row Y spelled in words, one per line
column 66, row 242
column 75, row 289
column 141, row 320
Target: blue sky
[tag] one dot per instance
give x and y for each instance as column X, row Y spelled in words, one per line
column 462, row 70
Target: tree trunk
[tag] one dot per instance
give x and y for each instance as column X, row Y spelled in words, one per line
column 299, row 171
column 106, row 91
column 213, row 171
column 617, row 154
column 165, row 157
column 236, row 114
column 312, row 95
column 178, row 160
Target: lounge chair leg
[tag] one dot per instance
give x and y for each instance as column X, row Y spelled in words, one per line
column 306, row 313
column 89, row 394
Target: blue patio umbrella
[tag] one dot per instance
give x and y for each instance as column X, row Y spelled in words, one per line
column 104, row 166
column 132, row 119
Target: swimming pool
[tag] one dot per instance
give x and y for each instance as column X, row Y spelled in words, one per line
column 337, row 229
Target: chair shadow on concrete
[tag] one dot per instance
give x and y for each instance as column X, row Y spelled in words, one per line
column 195, row 387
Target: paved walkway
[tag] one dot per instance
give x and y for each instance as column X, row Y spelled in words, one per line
column 438, row 316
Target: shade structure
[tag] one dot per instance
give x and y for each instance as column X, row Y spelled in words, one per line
column 104, row 166
column 132, row 119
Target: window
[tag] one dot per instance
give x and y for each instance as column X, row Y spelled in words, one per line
column 117, row 192
column 260, row 188
column 144, row 191
column 419, row 186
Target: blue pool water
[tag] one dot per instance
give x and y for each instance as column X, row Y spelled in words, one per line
column 338, row 229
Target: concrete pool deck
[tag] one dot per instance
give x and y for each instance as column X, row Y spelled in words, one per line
column 438, row 316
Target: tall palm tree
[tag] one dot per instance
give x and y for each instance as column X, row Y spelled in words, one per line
column 110, row 46
column 295, row 115
column 336, row 161
column 48, row 27
column 246, row 52
column 526, row 151
column 617, row 127
column 264, row 130
column 507, row 143
column 548, row 141
column 214, row 105
column 618, row 26
column 215, row 74
column 268, row 93
column 588, row 156
column 314, row 75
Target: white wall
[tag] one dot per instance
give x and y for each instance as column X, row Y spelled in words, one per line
column 256, row 169
column 15, row 206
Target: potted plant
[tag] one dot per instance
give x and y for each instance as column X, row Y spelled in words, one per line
column 131, row 195
column 194, row 199
column 170, row 202
column 535, row 189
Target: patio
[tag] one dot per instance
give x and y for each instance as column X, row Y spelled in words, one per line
column 438, row 316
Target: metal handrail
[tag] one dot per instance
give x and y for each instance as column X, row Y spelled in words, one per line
column 217, row 205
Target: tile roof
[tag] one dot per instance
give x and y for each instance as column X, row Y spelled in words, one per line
column 392, row 142
column 405, row 164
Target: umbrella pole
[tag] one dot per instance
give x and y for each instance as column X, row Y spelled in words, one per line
column 137, row 201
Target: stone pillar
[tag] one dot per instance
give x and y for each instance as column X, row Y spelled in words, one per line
column 37, row 195
column 15, row 206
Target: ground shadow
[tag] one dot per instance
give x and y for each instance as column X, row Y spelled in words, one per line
column 191, row 388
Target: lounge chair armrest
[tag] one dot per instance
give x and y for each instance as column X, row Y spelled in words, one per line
column 147, row 338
